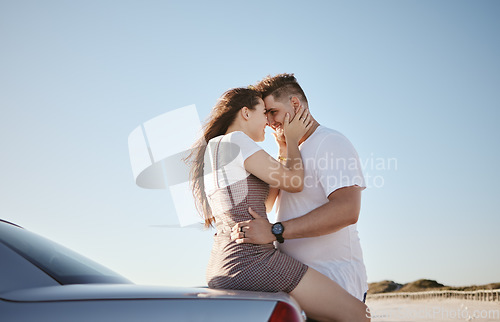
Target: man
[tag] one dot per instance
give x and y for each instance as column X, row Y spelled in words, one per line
column 317, row 225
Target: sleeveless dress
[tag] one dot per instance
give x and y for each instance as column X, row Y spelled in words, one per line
column 246, row 266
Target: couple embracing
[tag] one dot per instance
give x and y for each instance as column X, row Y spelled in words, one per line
column 317, row 258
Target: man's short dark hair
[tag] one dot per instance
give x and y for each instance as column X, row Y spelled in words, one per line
column 280, row 86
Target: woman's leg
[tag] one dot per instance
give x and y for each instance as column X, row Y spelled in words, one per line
column 324, row 300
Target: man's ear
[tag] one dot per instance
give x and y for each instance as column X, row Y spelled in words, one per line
column 244, row 113
column 295, row 101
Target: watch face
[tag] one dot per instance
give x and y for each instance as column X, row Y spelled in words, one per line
column 277, row 229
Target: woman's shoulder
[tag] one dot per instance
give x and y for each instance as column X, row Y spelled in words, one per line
column 234, row 137
column 215, row 139
column 233, row 144
column 238, row 142
column 238, row 136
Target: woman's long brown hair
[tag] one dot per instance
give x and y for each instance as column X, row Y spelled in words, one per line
column 219, row 120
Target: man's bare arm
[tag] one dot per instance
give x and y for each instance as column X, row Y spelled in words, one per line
column 340, row 211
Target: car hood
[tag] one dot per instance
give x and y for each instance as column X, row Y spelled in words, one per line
column 114, row 291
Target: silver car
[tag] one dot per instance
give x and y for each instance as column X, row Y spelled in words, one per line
column 43, row 281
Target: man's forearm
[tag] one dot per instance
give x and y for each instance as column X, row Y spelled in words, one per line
column 326, row 219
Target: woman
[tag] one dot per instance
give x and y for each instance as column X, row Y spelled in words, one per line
column 232, row 173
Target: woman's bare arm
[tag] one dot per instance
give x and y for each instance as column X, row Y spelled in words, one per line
column 288, row 176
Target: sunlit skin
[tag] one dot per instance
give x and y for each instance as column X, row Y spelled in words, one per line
column 258, row 122
column 252, row 122
column 276, row 111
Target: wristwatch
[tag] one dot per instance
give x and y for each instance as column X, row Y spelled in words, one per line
column 277, row 229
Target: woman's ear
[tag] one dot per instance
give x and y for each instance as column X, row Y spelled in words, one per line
column 244, row 113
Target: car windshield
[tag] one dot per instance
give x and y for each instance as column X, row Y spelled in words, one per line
column 62, row 264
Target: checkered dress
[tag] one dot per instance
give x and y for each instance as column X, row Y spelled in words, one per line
column 246, row 266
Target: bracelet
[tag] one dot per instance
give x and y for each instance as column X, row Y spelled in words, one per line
column 282, row 158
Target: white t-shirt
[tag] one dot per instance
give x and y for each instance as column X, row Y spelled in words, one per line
column 234, row 149
column 330, row 162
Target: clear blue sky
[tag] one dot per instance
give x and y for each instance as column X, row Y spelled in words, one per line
column 414, row 81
